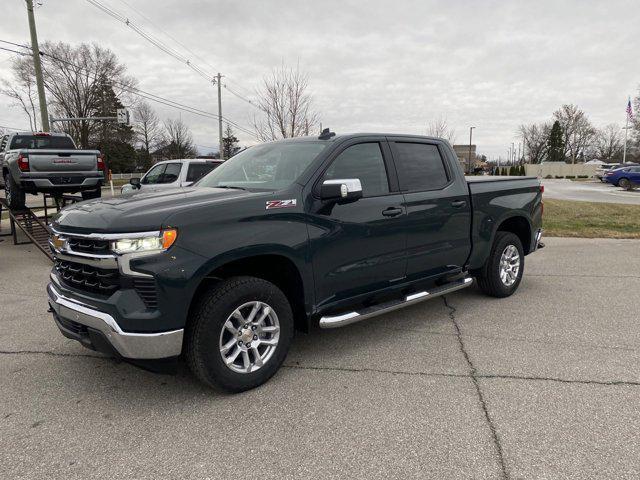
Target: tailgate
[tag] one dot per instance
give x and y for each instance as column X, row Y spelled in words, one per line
column 63, row 161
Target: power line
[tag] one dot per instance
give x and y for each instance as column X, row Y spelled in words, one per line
column 150, row 38
column 153, row 97
column 16, row 44
column 14, row 51
column 160, row 29
column 208, row 75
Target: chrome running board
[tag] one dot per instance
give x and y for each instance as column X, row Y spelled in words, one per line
column 386, row 307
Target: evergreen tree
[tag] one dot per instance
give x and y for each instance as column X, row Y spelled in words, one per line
column 556, row 144
column 113, row 139
column 229, row 143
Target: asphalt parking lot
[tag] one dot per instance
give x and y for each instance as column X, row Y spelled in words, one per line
column 544, row 384
column 589, row 191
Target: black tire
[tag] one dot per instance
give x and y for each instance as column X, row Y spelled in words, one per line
column 13, row 194
column 89, row 194
column 624, row 183
column 488, row 277
column 203, row 332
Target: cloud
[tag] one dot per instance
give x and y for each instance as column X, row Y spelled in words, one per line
column 374, row 65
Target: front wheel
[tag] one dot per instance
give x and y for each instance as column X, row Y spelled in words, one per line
column 13, row 194
column 240, row 333
column 502, row 272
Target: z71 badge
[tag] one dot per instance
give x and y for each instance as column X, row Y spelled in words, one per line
column 281, row 203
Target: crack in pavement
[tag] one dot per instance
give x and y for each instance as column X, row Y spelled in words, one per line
column 488, row 376
column 481, row 399
column 579, row 275
column 47, row 352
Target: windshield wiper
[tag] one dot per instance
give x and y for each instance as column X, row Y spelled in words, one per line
column 232, row 186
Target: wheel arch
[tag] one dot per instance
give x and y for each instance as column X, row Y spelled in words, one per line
column 277, row 267
column 520, row 225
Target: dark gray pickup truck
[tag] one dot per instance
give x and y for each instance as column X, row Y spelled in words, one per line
column 325, row 230
column 48, row 163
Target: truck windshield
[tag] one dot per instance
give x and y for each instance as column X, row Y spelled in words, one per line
column 42, row 142
column 272, row 166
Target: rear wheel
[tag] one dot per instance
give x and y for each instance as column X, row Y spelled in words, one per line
column 502, row 272
column 14, row 195
column 624, row 183
column 89, row 194
column 240, row 334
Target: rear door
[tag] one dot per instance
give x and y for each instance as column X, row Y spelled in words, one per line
column 196, row 171
column 358, row 247
column 436, row 200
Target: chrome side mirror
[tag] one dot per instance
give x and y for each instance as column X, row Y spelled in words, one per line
column 349, row 189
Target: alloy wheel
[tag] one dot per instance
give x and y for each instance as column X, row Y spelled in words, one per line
column 509, row 265
column 249, row 337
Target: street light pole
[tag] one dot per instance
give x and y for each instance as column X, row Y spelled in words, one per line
column 37, row 67
column 470, row 138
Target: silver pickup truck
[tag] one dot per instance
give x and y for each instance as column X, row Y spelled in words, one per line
column 48, row 163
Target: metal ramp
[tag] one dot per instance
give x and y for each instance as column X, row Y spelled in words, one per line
column 33, row 227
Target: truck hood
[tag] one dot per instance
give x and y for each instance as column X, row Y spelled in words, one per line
column 137, row 213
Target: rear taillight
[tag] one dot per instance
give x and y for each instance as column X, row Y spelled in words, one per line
column 101, row 164
column 541, row 188
column 23, row 163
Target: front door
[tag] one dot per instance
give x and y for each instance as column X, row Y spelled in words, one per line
column 358, row 247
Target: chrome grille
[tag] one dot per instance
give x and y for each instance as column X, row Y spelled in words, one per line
column 87, row 245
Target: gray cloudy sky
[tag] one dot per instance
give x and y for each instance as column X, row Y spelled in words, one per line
column 373, row 65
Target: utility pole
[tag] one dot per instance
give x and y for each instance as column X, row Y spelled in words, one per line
column 42, row 99
column 218, row 80
column 470, row 137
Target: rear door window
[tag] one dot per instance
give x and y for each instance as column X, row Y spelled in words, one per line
column 420, row 166
column 198, row 170
column 171, row 173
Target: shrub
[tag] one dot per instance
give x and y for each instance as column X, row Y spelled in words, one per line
column 570, row 177
column 548, row 177
column 583, row 176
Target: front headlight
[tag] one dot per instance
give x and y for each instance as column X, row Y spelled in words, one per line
column 152, row 243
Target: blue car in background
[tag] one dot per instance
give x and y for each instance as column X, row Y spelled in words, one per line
column 624, row 176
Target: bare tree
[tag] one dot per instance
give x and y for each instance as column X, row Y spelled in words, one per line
column 286, row 105
column 22, row 90
column 608, row 143
column 440, row 128
column 536, row 141
column 178, row 140
column 75, row 79
column 578, row 133
column 147, row 127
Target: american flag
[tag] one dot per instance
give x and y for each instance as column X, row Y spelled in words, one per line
column 629, row 110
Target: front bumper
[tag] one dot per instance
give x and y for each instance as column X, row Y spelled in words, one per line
column 100, row 331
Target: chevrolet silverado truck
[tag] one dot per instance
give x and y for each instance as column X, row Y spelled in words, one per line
column 326, row 231
column 48, row 163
